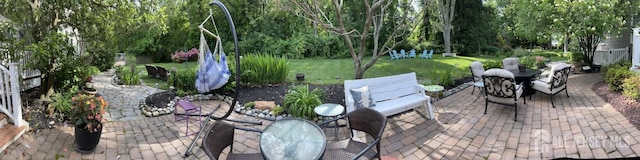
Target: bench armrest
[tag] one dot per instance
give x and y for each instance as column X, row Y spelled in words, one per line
column 420, row 89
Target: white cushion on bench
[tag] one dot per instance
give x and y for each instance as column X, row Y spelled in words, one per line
column 391, row 106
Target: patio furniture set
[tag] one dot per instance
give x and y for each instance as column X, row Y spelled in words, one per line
column 157, row 72
column 368, row 104
column 294, row 138
column 507, row 85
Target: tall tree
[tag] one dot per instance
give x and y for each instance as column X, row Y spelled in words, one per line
column 476, row 27
column 376, row 20
column 587, row 20
column 447, row 9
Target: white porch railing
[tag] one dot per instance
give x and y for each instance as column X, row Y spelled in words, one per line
column 611, row 56
column 10, row 103
column 30, row 78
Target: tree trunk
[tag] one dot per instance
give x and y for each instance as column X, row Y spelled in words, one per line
column 588, row 45
column 46, row 86
column 446, row 18
column 446, row 33
column 566, row 43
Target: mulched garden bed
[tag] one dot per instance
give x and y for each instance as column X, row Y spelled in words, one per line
column 628, row 107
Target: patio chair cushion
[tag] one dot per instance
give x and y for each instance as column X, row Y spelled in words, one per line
column 519, row 92
column 362, row 97
column 510, row 64
column 509, row 96
column 544, row 85
column 477, row 70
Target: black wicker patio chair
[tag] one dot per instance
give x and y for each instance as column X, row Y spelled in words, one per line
column 220, row 136
column 362, row 119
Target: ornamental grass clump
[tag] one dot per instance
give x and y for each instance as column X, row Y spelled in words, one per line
column 87, row 112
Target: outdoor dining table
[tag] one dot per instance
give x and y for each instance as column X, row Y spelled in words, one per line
column 526, row 77
column 292, row 139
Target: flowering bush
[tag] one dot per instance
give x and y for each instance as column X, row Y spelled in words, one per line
column 182, row 56
column 87, row 111
column 540, row 61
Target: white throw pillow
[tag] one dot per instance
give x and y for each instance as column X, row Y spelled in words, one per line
column 362, row 97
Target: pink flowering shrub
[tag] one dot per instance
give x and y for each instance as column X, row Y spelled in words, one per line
column 180, row 56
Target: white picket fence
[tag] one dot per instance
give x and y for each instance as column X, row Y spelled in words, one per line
column 10, row 103
column 605, row 58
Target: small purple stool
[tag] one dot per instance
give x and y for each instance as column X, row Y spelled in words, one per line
column 189, row 109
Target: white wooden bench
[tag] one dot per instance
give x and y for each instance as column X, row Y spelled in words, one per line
column 449, row 54
column 391, row 94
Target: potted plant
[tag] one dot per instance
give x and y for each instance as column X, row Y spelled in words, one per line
column 88, row 86
column 87, row 112
column 540, row 62
column 576, row 59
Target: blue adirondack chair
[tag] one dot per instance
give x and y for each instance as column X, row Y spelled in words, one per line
column 424, row 54
column 394, row 55
column 412, row 53
column 430, row 54
column 403, row 54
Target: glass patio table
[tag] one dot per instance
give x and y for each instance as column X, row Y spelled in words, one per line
column 292, row 139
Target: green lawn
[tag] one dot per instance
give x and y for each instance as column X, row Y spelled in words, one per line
column 335, row 71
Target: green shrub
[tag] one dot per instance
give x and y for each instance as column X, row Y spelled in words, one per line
column 300, row 101
column 631, row 87
column 264, row 69
column 277, row 110
column 180, row 93
column 61, row 105
column 104, row 60
column 528, row 61
column 492, row 64
column 250, row 104
column 71, row 73
column 131, row 77
column 520, row 52
column 186, row 80
column 575, row 56
column 615, row 76
column 545, row 53
column 490, row 50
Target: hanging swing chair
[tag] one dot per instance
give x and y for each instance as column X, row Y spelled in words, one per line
column 213, row 74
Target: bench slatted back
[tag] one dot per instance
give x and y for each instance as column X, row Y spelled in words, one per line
column 385, row 88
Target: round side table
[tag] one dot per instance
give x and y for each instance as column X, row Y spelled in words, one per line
column 435, row 91
column 330, row 110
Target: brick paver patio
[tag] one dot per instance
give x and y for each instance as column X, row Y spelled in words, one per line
column 581, row 126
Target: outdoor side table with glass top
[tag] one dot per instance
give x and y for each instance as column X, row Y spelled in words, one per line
column 434, row 91
column 292, row 139
column 330, row 110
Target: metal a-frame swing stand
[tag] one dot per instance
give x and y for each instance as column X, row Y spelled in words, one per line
column 237, row 78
